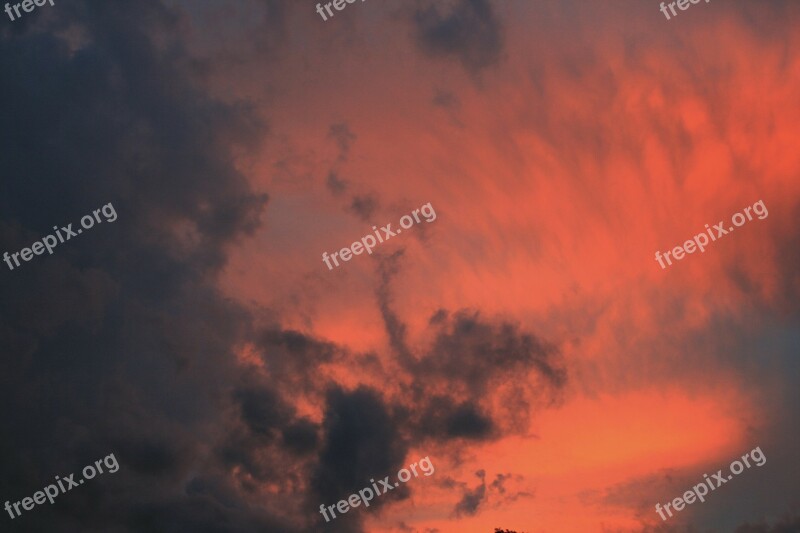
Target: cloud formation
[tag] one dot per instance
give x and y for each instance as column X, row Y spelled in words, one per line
column 469, row 32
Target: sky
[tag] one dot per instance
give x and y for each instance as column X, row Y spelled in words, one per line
column 522, row 335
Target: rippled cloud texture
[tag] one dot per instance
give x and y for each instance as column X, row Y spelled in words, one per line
column 527, row 342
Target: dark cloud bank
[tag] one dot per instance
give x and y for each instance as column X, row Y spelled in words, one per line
column 120, row 342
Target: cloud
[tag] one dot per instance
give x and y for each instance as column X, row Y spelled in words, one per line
column 364, row 206
column 469, row 33
column 120, row 341
column 362, row 442
column 499, row 482
column 287, row 354
column 262, row 410
column 444, row 419
column 301, row 437
column 335, row 184
column 152, row 457
column 343, row 137
column 446, row 99
column 471, row 500
column 469, row 363
column 473, row 353
column 786, row 525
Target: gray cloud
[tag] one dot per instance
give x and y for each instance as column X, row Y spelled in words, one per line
column 472, row 498
column 362, row 442
column 120, row 341
column 343, row 137
column 364, row 206
column 469, row 33
column 789, row 524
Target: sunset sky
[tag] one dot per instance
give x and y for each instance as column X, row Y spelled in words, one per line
column 526, row 340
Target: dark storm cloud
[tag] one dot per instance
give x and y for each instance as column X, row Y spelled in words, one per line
column 470, row 33
column 362, row 442
column 265, row 440
column 301, row 437
column 119, row 341
column 151, row 457
column 262, row 410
